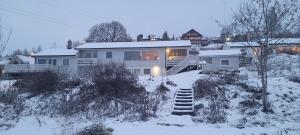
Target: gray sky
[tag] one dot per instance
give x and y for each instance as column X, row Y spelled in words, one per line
column 45, row 22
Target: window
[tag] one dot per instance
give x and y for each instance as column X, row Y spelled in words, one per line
column 132, row 55
column 208, row 60
column 150, row 55
column 178, row 52
column 66, row 62
column 137, row 71
column 54, row 61
column 95, row 55
column 108, row 55
column 87, row 55
column 147, row 71
column 50, row 61
column 42, row 61
column 225, row 62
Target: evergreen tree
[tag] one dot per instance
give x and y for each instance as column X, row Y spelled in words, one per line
column 165, row 36
column 69, row 45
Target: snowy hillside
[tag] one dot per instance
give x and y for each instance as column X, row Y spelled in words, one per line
column 284, row 96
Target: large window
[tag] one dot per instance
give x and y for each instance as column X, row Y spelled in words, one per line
column 178, row 52
column 150, row 55
column 42, row 61
column 132, row 55
column 225, row 62
column 208, row 60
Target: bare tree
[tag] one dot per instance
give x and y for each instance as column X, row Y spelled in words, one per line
column 4, row 39
column 264, row 19
column 108, row 32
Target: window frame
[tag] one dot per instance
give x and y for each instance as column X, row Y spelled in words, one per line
column 38, row 60
column 224, row 60
column 111, row 53
column 63, row 61
column 146, row 70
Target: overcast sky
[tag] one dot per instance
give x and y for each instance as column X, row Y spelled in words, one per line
column 45, row 22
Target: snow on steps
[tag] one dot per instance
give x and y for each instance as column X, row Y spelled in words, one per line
column 183, row 103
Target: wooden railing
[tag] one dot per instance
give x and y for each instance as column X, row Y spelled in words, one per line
column 19, row 68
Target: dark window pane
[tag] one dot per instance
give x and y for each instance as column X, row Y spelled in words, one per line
column 132, row 55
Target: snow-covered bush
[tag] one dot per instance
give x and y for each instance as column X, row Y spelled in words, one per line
column 111, row 91
column 38, row 82
column 205, row 87
column 217, row 105
column 96, row 129
column 11, row 107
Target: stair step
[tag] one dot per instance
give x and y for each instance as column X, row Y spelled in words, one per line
column 183, row 100
column 184, row 94
column 190, row 97
column 180, row 104
column 190, row 108
column 184, row 91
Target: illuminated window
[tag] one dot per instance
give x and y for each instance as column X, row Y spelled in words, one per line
column 150, row 55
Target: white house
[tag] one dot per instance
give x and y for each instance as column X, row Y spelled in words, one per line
column 142, row 58
column 139, row 57
column 216, row 60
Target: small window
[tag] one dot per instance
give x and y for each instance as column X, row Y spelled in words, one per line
column 208, row 60
column 54, row 62
column 66, row 62
column 42, row 61
column 137, row 71
column 95, row 55
column 108, row 55
column 87, row 55
column 147, row 71
column 225, row 62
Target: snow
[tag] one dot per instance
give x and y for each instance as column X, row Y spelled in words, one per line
column 57, row 52
column 26, row 59
column 219, row 52
column 144, row 44
column 287, row 113
column 284, row 41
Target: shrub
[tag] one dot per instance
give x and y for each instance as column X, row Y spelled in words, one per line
column 205, row 87
column 217, row 105
column 113, row 91
column 11, row 105
column 96, row 129
column 38, row 82
column 115, row 81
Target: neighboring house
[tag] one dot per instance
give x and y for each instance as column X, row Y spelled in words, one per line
column 195, row 38
column 217, row 60
column 142, row 58
column 3, row 61
column 62, row 60
column 287, row 45
column 21, row 59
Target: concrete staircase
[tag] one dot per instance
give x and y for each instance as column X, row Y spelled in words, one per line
column 183, row 103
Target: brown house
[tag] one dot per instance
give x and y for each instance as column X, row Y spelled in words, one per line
column 192, row 35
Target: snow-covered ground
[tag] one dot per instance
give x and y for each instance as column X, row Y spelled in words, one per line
column 284, row 97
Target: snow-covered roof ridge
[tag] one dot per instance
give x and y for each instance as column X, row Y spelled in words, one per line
column 144, row 44
column 57, row 52
column 26, row 59
column 219, row 52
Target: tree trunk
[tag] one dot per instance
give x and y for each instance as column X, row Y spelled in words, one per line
column 264, row 77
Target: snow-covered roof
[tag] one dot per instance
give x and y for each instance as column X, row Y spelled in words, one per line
column 26, row 59
column 284, row 41
column 144, row 44
column 219, row 52
column 57, row 52
column 4, row 61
